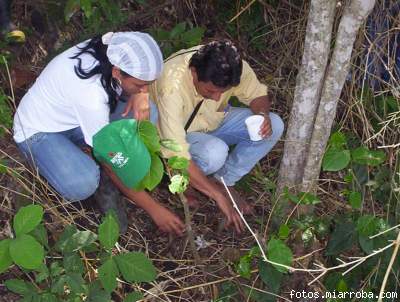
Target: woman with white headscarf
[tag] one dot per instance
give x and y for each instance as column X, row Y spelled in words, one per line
column 72, row 100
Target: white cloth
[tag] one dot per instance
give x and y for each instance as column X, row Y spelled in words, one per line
column 59, row 100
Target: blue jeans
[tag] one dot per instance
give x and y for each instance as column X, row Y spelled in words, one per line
column 210, row 151
column 59, row 158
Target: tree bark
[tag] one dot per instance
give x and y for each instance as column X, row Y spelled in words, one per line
column 307, row 92
column 354, row 16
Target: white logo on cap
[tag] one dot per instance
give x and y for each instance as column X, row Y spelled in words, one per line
column 119, row 160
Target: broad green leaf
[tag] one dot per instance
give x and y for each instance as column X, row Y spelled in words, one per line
column 26, row 252
column 75, row 282
column 364, row 156
column 108, row 274
column 71, row 7
column 55, row 269
column 335, row 160
column 342, row 286
column 355, row 200
column 96, row 294
column 337, row 140
column 243, row 267
column 271, row 277
column 43, row 273
column 342, row 238
column 367, row 225
column 366, row 244
column 86, row 6
column 48, row 297
column 179, row 183
column 18, row 286
column 136, row 267
column 5, row 258
column 76, row 241
column 193, row 36
column 308, row 198
column 58, row 284
column 171, row 145
column 153, row 178
column 27, row 219
column 279, row 252
column 133, row 297
column 177, row 30
column 227, row 292
column 109, row 232
column 149, row 135
column 178, row 163
column 73, row 263
column 283, row 231
column 40, row 234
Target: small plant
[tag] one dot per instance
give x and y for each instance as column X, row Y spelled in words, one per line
column 181, row 36
column 5, row 113
column 80, row 266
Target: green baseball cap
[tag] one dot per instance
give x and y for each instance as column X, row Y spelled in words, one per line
column 119, row 146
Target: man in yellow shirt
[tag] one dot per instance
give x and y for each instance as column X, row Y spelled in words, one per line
column 209, row 75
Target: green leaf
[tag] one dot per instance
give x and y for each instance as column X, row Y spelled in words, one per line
column 149, row 135
column 86, row 6
column 178, row 163
column 271, row 277
column 48, row 297
column 3, row 167
column 335, row 160
column 43, row 273
column 73, row 263
column 355, row 200
column 179, row 183
column 367, row 225
column 364, row 156
column 108, row 274
column 5, row 258
column 18, row 286
column 71, row 7
column 153, row 178
column 342, row 238
column 133, row 297
column 171, row 145
column 366, row 244
column 40, row 234
column 76, row 241
column 75, row 282
column 284, row 231
column 55, row 269
column 177, row 30
column 96, row 294
column 279, row 252
column 243, row 267
column 27, row 219
column 193, row 37
column 308, row 198
column 109, row 232
column 136, row 267
column 26, row 252
column 337, row 140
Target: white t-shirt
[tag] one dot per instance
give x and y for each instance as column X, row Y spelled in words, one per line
column 59, row 100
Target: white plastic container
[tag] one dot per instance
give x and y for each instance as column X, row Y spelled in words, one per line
column 253, row 124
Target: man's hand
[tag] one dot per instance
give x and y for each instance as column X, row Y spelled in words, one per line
column 139, row 104
column 167, row 221
column 266, row 128
column 231, row 214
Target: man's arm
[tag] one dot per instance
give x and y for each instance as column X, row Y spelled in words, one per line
column 200, row 182
column 165, row 219
column 261, row 105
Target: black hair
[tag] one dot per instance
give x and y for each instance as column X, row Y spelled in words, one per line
column 218, row 62
column 98, row 50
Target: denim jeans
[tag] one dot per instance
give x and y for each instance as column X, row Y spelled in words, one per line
column 60, row 160
column 210, row 151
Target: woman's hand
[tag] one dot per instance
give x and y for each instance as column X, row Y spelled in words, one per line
column 139, row 104
column 167, row 221
column 232, row 216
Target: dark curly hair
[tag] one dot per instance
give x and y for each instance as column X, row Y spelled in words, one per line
column 218, row 62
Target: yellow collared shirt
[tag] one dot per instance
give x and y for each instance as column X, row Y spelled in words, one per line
column 176, row 98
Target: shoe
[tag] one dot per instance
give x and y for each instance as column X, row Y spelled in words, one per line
column 108, row 197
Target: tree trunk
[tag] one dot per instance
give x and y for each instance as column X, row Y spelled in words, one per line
column 353, row 17
column 307, row 92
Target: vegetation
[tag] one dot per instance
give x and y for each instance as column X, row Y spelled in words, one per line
column 348, row 243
